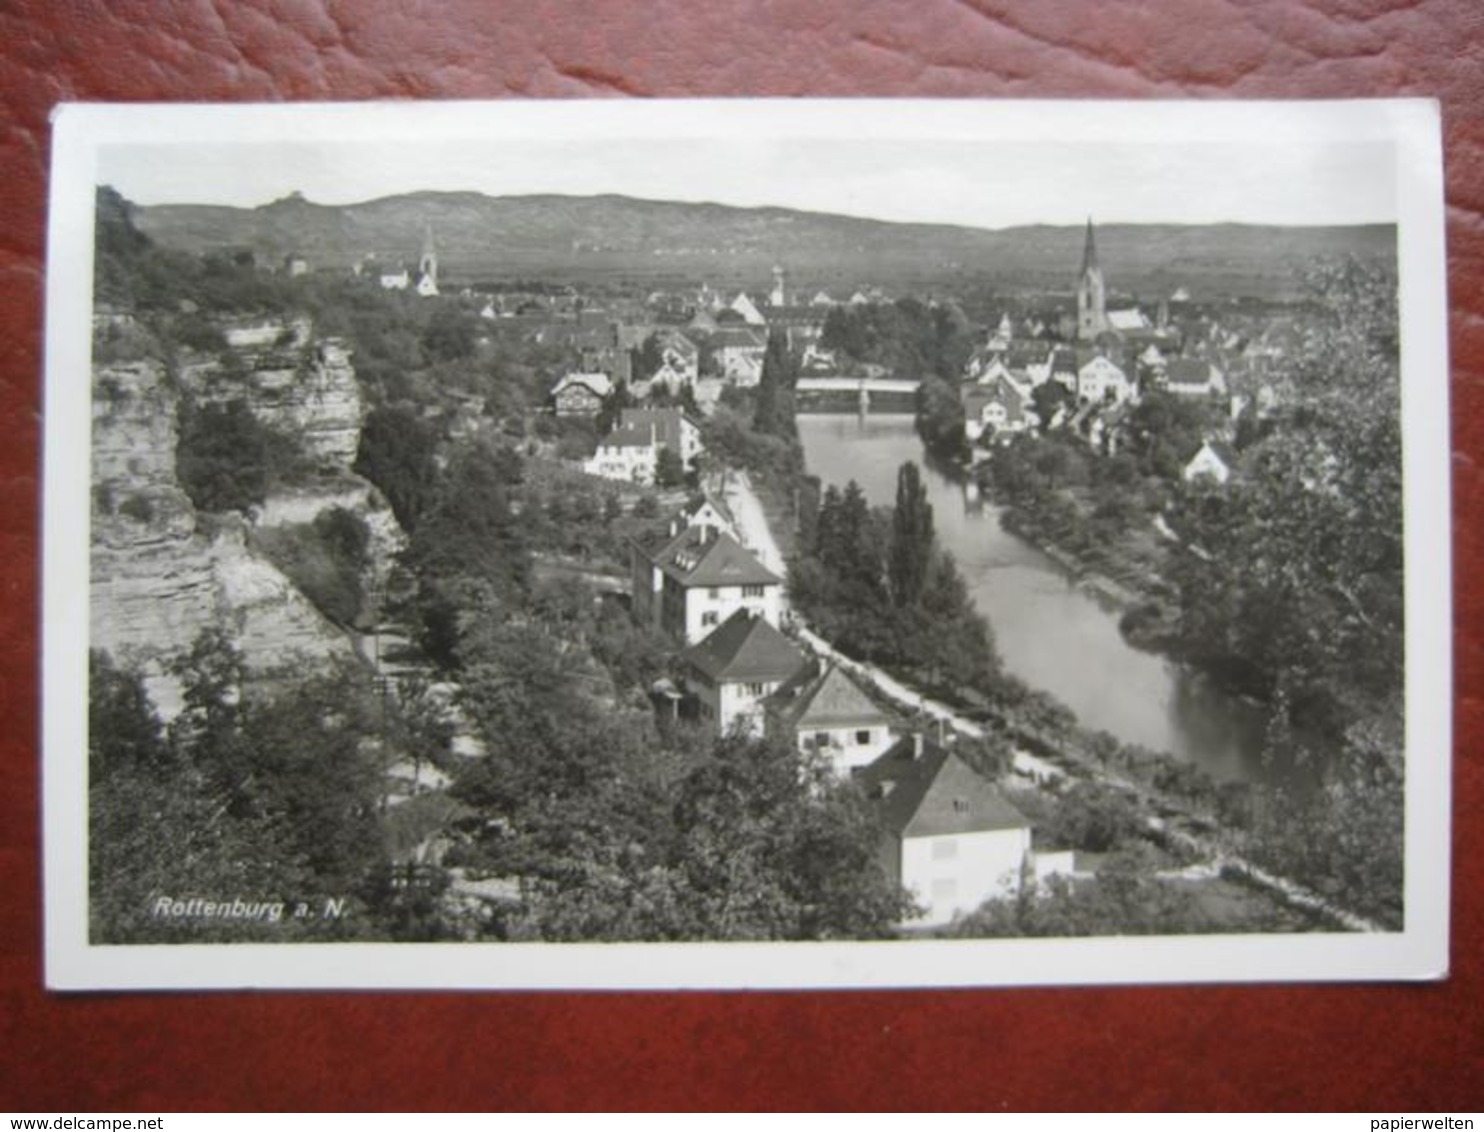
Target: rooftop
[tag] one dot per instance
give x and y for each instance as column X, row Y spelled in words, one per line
column 746, row 647
column 935, row 793
column 698, row 557
column 833, row 699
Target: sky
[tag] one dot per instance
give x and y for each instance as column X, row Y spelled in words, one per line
column 1185, row 176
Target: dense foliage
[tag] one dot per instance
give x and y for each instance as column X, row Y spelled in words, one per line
column 228, row 460
column 878, row 585
column 267, row 799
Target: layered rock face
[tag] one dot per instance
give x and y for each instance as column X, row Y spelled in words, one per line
column 304, row 388
column 161, row 573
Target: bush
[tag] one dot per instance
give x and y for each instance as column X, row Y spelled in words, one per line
column 324, row 559
column 226, row 459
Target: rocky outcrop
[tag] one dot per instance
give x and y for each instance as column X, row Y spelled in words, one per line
column 299, row 386
column 161, row 573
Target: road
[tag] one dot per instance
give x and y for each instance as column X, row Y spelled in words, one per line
column 738, row 494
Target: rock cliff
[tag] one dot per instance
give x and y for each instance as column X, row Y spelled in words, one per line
column 160, row 572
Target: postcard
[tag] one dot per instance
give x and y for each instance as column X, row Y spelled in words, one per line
column 746, row 544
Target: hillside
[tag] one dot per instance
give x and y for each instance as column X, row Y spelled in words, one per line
column 612, row 238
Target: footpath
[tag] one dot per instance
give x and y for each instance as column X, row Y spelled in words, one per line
column 738, row 494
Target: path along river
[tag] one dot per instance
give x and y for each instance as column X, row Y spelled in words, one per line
column 1051, row 633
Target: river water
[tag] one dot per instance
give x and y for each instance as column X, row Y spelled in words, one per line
column 1050, row 633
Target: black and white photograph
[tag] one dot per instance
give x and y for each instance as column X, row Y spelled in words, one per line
column 746, row 544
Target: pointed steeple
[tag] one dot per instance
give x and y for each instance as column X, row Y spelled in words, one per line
column 1089, row 250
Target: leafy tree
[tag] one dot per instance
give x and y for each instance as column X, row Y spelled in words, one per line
column 450, row 334
column 774, row 412
column 669, row 469
column 397, row 453
column 227, row 460
column 912, row 539
column 1048, row 398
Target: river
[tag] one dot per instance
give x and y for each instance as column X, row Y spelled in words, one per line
column 1050, row 633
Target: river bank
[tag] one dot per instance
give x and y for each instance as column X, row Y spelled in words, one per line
column 1048, row 760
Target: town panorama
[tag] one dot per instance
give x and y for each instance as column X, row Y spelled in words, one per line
column 720, row 574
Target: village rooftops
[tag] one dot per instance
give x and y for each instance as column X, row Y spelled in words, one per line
column 935, row 793
column 702, row 557
column 748, row 648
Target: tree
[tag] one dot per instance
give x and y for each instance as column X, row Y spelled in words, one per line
column 669, row 469
column 912, row 540
column 226, row 459
column 450, row 334
column 397, row 453
column 1047, row 399
column 774, row 413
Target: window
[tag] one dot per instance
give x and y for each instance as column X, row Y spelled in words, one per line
column 714, row 593
column 709, row 618
column 945, row 849
column 821, row 739
column 754, row 689
column 752, row 591
column 945, row 888
column 862, row 738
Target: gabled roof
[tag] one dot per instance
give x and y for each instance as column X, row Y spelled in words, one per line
column 667, row 425
column 743, row 336
column 935, row 794
column 833, row 699
column 745, row 647
column 1188, row 371
column 698, row 558
column 598, row 383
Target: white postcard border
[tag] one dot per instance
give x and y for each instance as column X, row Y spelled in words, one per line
column 1418, row 952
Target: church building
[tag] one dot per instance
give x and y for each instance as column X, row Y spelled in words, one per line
column 1092, row 295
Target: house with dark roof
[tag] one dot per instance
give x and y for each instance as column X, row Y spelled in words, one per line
column 690, row 584
column 731, row 673
column 830, row 713
column 951, row 837
column 705, row 515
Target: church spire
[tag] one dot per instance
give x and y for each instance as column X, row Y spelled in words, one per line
column 1089, row 250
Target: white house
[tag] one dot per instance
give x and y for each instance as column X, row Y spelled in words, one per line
column 831, row 714
column 1099, row 379
column 630, row 453
column 736, row 668
column 395, row 280
column 1003, row 407
column 952, row 839
column 748, row 310
column 1194, row 377
column 696, row 580
column 1209, row 463
column 739, row 352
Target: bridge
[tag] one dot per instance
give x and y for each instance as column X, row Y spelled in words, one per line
column 860, row 388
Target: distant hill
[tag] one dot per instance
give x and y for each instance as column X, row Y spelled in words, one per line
column 608, row 238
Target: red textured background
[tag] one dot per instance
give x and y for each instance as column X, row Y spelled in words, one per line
column 1370, row 1047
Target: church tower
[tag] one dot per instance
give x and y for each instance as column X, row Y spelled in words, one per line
column 777, row 297
column 1092, row 299
column 427, row 264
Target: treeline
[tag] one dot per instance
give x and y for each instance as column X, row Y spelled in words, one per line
column 877, row 584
